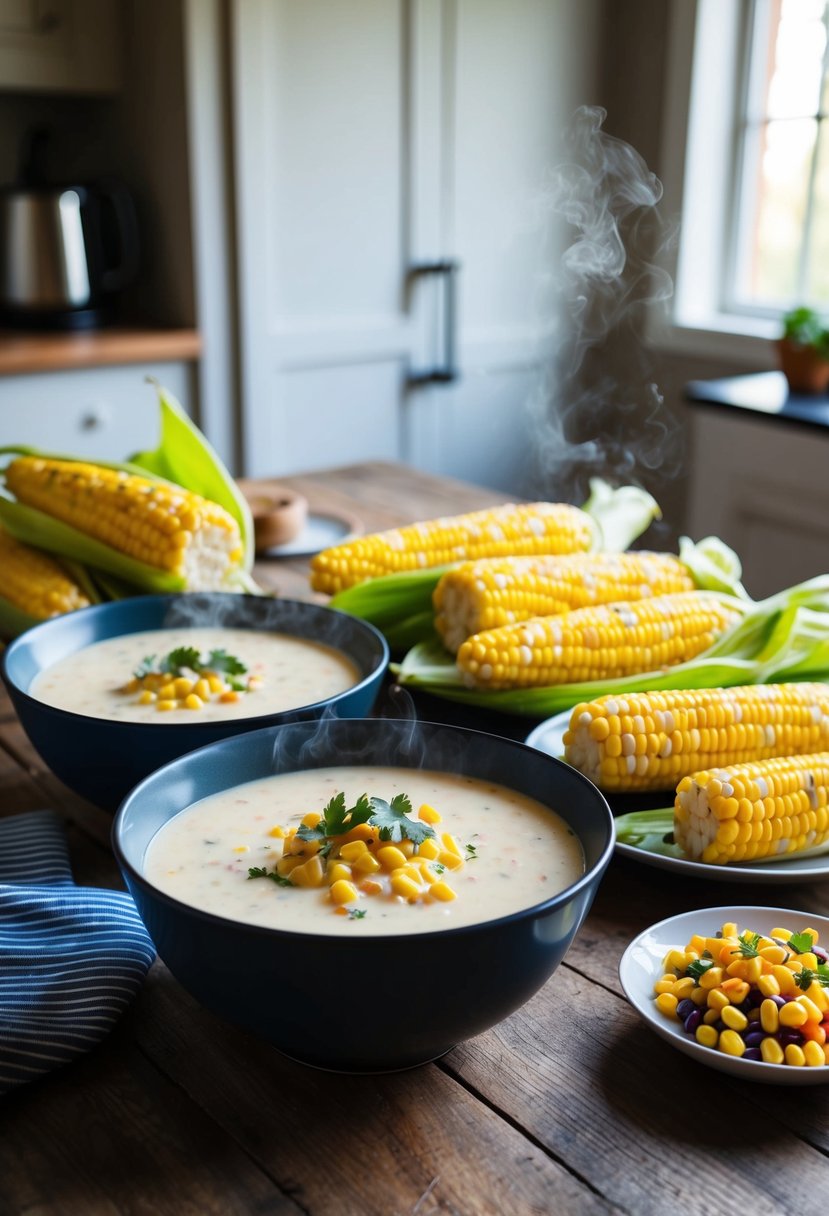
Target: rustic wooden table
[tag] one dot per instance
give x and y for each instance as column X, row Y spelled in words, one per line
column 569, row 1106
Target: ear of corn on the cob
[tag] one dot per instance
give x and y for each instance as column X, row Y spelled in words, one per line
column 155, row 535
column 185, row 458
column 487, row 594
column 755, row 811
column 512, row 529
column 650, row 741
column 600, row 643
column 33, row 587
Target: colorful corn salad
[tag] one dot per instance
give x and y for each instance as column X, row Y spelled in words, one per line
column 187, row 679
column 752, row 995
column 373, row 849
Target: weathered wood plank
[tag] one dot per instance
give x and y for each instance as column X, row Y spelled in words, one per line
column 640, row 1122
column 110, row 1136
column 347, row 1146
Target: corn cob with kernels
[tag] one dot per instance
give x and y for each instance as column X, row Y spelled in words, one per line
column 147, row 530
column 651, row 740
column 529, row 528
column 755, row 811
column 493, row 592
column 33, row 586
column 607, row 642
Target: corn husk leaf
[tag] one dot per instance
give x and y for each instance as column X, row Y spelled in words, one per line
column 13, row 621
column 185, row 458
column 785, row 637
column 653, row 832
column 622, row 514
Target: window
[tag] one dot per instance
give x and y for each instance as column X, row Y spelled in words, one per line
column 746, row 167
column 780, row 241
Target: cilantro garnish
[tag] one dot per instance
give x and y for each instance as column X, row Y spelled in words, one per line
column 801, row 943
column 438, row 867
column 181, row 657
column 356, row 913
column 748, row 945
column 193, row 660
column 392, row 819
column 261, row 872
column 805, row 977
column 337, row 819
column 471, row 851
column 221, row 661
column 699, row 967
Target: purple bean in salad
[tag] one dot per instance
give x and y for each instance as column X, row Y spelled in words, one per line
column 752, row 1053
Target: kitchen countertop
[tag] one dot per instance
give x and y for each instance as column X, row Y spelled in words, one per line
column 569, row 1106
column 26, row 352
column 761, row 394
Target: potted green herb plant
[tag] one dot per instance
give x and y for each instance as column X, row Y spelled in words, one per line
column 804, row 351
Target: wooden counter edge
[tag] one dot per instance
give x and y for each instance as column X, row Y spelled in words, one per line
column 26, row 352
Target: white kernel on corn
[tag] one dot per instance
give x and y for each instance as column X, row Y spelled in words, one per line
column 525, row 655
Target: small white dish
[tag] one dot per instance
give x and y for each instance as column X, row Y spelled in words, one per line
column 319, row 532
column 641, row 966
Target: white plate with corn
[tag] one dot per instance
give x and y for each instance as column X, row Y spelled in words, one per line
column 739, row 989
column 747, row 770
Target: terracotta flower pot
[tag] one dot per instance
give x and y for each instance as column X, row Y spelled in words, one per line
column 806, row 369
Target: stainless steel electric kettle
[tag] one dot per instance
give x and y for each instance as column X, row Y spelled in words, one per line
column 65, row 250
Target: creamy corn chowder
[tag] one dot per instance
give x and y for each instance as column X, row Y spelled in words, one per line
column 186, row 675
column 362, row 849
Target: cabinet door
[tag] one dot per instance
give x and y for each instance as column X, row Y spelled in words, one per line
column 101, row 413
column 374, row 136
column 761, row 487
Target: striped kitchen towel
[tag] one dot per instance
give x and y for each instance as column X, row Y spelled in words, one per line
column 71, row 958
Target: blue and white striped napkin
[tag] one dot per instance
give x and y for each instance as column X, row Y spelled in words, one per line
column 71, row 958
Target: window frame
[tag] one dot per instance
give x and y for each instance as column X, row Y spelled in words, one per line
column 706, row 80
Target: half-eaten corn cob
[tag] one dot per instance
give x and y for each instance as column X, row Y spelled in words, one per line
column 528, row 528
column 34, row 585
column 600, row 643
column 651, row 740
column 492, row 592
column 153, row 523
column 755, row 811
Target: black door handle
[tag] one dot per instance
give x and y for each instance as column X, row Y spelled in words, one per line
column 447, row 270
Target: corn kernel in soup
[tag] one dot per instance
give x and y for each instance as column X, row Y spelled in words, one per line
column 258, row 853
column 280, row 673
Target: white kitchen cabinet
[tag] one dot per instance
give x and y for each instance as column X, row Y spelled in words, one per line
column 761, row 485
column 375, row 138
column 70, row 46
column 104, row 413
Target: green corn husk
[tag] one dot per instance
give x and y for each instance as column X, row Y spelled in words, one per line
column 185, row 458
column 782, row 638
column 400, row 605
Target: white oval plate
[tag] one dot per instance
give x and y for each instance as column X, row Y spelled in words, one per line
column 641, row 966
column 548, row 737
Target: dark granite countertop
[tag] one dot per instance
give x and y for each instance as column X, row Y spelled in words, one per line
column 763, row 394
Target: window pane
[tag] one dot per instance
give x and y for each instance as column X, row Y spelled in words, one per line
column 785, row 167
column 817, row 267
column 797, row 60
